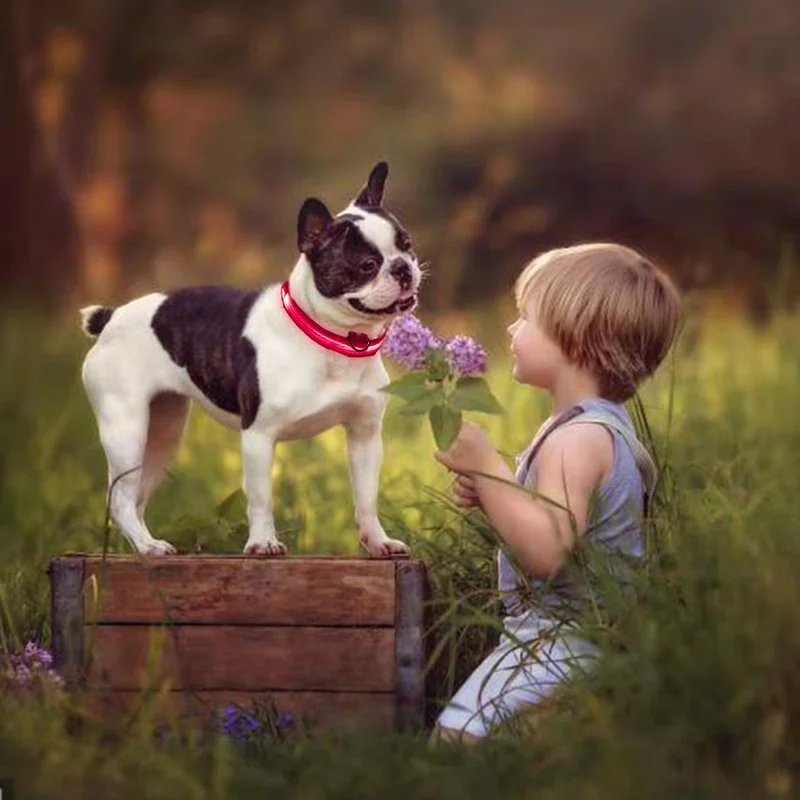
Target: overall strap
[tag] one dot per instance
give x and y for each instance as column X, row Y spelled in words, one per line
column 528, row 456
column 643, row 460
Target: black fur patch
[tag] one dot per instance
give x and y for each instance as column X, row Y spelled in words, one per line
column 343, row 260
column 98, row 320
column 201, row 329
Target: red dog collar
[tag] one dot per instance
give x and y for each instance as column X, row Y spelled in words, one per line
column 354, row 344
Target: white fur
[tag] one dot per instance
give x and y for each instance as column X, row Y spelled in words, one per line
column 141, row 400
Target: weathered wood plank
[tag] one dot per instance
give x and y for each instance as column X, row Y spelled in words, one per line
column 67, row 617
column 245, row 657
column 411, row 585
column 320, row 710
column 243, row 590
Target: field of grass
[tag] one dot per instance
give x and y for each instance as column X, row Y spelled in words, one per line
column 697, row 693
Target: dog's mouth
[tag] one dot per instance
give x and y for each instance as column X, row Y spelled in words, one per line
column 398, row 307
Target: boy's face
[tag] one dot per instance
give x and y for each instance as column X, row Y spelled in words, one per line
column 537, row 358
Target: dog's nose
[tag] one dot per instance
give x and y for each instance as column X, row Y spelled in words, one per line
column 400, row 270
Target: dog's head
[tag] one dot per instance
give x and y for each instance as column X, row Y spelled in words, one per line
column 362, row 257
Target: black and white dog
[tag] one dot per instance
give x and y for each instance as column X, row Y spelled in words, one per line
column 255, row 361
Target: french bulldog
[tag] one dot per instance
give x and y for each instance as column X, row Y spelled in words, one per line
column 284, row 362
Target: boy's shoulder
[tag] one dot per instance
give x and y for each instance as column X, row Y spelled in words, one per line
column 585, row 448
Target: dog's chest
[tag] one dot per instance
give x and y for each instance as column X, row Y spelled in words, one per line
column 317, row 422
column 339, row 398
column 340, row 370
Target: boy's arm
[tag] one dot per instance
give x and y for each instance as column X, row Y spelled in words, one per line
column 570, row 464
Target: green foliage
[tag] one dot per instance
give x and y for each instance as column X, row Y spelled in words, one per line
column 446, row 424
column 424, row 403
column 474, row 394
column 696, row 691
column 409, row 387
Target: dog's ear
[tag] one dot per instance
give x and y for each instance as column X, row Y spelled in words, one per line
column 312, row 222
column 372, row 193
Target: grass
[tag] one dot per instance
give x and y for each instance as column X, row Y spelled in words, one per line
column 697, row 693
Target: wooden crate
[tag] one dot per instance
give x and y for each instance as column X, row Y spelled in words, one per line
column 335, row 641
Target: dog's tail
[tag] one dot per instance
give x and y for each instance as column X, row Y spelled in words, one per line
column 94, row 319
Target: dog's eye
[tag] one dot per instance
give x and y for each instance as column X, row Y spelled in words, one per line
column 403, row 241
column 370, row 265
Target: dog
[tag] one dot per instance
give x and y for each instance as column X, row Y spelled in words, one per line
column 284, row 362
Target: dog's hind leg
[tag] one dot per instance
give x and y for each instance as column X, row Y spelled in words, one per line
column 168, row 415
column 123, row 425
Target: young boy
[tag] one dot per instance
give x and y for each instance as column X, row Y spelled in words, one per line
column 595, row 321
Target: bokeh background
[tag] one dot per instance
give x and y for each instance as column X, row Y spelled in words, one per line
column 148, row 144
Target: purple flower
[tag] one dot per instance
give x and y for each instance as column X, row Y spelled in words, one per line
column 238, row 724
column 251, row 728
column 285, row 720
column 466, row 356
column 163, row 731
column 407, row 341
column 31, row 668
column 35, row 654
column 23, row 674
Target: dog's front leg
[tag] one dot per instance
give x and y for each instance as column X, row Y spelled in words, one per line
column 258, row 446
column 365, row 452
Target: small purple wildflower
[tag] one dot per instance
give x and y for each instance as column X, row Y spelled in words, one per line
column 285, row 720
column 242, row 726
column 32, row 668
column 238, row 724
column 407, row 341
column 163, row 732
column 466, row 356
column 23, row 674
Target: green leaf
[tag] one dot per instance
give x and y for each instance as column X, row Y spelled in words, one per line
column 446, row 424
column 473, row 394
column 423, row 403
column 408, row 387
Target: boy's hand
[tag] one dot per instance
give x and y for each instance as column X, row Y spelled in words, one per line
column 466, row 493
column 471, row 450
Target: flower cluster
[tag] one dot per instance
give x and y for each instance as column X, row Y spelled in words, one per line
column 242, row 726
column 444, row 377
column 466, row 356
column 408, row 342
column 239, row 724
column 31, row 669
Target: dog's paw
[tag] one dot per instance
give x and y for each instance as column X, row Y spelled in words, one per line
column 386, row 548
column 158, row 547
column 271, row 547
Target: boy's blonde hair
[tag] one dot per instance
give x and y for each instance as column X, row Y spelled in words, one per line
column 607, row 307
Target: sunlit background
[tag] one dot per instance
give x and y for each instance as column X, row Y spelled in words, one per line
column 149, row 144
column 152, row 144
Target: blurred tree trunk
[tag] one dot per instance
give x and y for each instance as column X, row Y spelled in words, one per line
column 40, row 241
column 135, row 68
column 44, row 239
